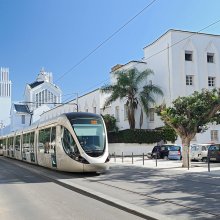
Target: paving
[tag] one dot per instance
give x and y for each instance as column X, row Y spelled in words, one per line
column 165, row 191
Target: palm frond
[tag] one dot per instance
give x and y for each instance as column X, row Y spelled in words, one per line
column 144, row 75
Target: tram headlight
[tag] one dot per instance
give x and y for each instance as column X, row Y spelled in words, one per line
column 81, row 159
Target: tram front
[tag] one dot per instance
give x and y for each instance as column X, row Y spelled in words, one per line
column 92, row 143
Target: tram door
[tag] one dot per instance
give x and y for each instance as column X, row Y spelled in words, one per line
column 53, row 147
column 10, row 146
column 32, row 153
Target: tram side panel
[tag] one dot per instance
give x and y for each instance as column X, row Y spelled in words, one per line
column 66, row 159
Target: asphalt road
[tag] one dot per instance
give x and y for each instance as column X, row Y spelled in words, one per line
column 25, row 195
column 165, row 192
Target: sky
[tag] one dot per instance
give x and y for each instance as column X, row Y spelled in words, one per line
column 59, row 35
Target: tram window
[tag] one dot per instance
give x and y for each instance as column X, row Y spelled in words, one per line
column 17, row 142
column 53, row 140
column 1, row 144
column 44, row 140
column 10, row 143
column 32, row 142
column 4, row 144
column 26, row 142
column 69, row 144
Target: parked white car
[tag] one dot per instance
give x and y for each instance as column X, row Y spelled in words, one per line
column 199, row 152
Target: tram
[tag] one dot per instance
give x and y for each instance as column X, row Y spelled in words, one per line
column 71, row 142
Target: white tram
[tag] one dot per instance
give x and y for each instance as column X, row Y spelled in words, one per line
column 72, row 142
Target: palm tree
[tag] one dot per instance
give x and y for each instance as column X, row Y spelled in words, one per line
column 126, row 87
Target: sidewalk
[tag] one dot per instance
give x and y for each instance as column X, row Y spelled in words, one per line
column 175, row 165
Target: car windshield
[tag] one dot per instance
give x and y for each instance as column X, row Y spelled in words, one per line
column 174, row 148
column 214, row 148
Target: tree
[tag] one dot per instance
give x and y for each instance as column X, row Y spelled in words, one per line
column 110, row 122
column 190, row 115
column 126, row 87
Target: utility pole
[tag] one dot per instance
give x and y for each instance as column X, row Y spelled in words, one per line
column 77, row 102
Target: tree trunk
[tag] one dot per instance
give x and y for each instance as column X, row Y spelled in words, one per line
column 131, row 118
column 186, row 152
column 141, row 119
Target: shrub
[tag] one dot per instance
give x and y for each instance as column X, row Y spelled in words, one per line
column 142, row 136
column 110, row 122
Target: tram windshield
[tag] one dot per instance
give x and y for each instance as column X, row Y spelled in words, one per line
column 91, row 135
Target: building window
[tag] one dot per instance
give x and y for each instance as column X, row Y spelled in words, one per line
column 151, row 114
column 117, row 113
column 211, row 81
column 54, row 100
column 189, row 80
column 125, row 112
column 94, row 110
column 43, row 100
column 214, row 135
column 210, row 57
column 48, row 96
column 46, row 100
column 37, row 100
column 188, row 55
column 23, row 119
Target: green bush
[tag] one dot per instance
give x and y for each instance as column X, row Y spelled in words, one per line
column 110, row 122
column 142, row 136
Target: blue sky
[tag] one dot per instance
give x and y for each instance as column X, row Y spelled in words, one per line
column 57, row 34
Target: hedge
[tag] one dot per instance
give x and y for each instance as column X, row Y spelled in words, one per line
column 142, row 136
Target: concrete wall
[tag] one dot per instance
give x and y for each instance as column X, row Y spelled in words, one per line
column 127, row 149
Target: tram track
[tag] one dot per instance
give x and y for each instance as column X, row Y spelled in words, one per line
column 114, row 203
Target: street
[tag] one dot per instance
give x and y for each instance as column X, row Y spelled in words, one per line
column 25, row 195
column 165, row 192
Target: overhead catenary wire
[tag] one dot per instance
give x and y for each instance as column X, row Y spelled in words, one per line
column 194, row 33
column 147, row 58
column 155, row 54
column 105, row 41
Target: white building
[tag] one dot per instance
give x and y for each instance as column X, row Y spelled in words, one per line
column 39, row 97
column 5, row 97
column 20, row 116
column 182, row 62
column 42, row 92
column 89, row 102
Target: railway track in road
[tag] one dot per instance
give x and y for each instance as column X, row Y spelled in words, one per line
column 115, row 202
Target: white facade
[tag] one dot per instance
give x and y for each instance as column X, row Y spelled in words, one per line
column 42, row 92
column 20, row 117
column 5, row 97
column 39, row 97
column 119, row 109
column 184, row 62
column 91, row 102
